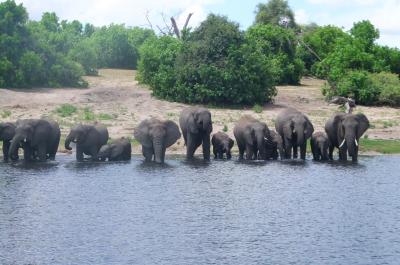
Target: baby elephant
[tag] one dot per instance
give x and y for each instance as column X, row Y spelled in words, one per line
column 274, row 146
column 222, row 144
column 119, row 150
column 319, row 146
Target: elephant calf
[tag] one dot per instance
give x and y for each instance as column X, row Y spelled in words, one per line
column 156, row 136
column 88, row 138
column 119, row 150
column 319, row 146
column 196, row 126
column 250, row 137
column 274, row 146
column 222, row 144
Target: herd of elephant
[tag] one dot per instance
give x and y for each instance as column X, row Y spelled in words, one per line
column 39, row 138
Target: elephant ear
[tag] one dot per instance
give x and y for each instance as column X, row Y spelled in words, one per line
column 142, row 133
column 231, row 143
column 337, row 124
column 309, row 128
column 363, row 124
column 173, row 133
column 192, row 124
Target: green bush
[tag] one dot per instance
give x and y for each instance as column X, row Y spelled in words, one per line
column 279, row 45
column 389, row 86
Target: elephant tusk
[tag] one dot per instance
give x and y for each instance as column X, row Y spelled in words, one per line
column 341, row 145
column 294, row 131
column 266, row 138
column 25, row 140
column 355, row 140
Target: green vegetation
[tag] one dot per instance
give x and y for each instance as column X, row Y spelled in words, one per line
column 66, row 110
column 257, row 108
column 105, row 116
column 5, row 114
column 380, row 146
column 225, row 129
column 88, row 114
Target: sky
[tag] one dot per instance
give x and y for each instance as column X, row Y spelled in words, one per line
column 384, row 14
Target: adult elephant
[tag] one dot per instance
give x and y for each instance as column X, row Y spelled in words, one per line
column 196, row 126
column 344, row 132
column 250, row 136
column 88, row 138
column 295, row 128
column 38, row 137
column 156, row 136
column 7, row 132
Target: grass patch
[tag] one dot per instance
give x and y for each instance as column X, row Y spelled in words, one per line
column 225, row 129
column 257, row 108
column 380, row 146
column 88, row 114
column 105, row 117
column 66, row 110
column 5, row 114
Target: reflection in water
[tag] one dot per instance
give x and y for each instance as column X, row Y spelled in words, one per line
column 197, row 212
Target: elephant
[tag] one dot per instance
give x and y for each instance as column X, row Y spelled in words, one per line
column 319, row 146
column 156, row 136
column 196, row 126
column 344, row 132
column 88, row 138
column 7, row 132
column 119, row 150
column 38, row 137
column 295, row 128
column 250, row 137
column 274, row 146
column 222, row 144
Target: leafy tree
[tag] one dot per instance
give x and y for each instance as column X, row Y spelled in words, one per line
column 275, row 12
column 279, row 45
column 365, row 33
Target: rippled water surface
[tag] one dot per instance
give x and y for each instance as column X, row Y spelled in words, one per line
column 223, row 212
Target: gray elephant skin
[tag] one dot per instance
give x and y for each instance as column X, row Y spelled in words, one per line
column 38, row 137
column 222, row 144
column 250, row 135
column 319, row 146
column 196, row 126
column 89, row 139
column 119, row 150
column 7, row 132
column 295, row 128
column 344, row 132
column 156, row 136
column 274, row 146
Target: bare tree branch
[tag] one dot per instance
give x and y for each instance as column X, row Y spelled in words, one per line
column 187, row 21
column 176, row 29
column 148, row 19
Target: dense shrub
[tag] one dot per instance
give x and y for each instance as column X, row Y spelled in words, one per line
column 367, row 88
column 214, row 64
column 279, row 45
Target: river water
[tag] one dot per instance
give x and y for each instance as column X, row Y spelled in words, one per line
column 223, row 212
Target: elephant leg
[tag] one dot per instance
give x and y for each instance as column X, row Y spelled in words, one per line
column 27, row 153
column 215, row 152
column 241, row 151
column 331, row 148
column 206, row 146
column 303, row 150
column 94, row 151
column 42, row 153
column 147, row 153
column 288, row 148
column 354, row 158
column 6, row 148
column 228, row 155
column 79, row 153
column 190, row 146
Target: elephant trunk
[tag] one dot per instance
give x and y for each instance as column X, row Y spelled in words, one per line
column 68, row 141
column 352, row 144
column 15, row 145
column 299, row 131
column 281, row 151
column 159, row 150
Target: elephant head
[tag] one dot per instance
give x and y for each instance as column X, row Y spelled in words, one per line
column 300, row 127
column 276, row 140
column 76, row 135
column 349, row 130
column 7, row 131
column 24, row 133
column 157, row 136
column 255, row 135
column 200, row 121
